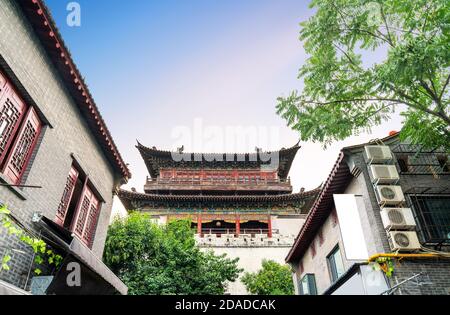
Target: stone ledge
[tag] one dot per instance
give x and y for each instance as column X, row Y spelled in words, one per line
column 9, row 289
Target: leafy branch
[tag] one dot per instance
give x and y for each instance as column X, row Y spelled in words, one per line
column 347, row 87
column 384, row 264
column 42, row 251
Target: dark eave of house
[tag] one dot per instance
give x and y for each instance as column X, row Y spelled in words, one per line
column 45, row 29
column 155, row 159
column 104, row 280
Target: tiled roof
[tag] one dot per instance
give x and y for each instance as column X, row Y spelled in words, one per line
column 155, row 159
column 47, row 32
column 338, row 179
column 128, row 197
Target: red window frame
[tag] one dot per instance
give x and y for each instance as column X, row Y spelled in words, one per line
column 87, row 211
column 20, row 127
column 8, row 124
column 67, row 196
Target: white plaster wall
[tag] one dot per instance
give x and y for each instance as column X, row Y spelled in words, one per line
column 288, row 226
column 318, row 265
column 354, row 187
column 250, row 259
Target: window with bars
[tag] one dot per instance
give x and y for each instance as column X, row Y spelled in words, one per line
column 19, row 130
column 79, row 208
column 433, row 217
column 413, row 159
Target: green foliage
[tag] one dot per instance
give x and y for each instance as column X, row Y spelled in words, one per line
column 272, row 279
column 4, row 266
column 39, row 247
column 385, row 264
column 344, row 95
column 164, row 259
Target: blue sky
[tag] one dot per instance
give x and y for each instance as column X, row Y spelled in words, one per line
column 153, row 66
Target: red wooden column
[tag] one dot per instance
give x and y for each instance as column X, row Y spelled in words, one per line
column 269, row 225
column 199, row 225
column 238, row 225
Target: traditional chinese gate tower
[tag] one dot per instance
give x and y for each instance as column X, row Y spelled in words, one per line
column 239, row 204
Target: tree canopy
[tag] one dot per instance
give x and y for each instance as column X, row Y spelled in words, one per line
column 164, row 259
column 344, row 94
column 272, row 279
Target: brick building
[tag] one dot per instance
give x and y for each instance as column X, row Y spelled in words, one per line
column 59, row 166
column 384, row 202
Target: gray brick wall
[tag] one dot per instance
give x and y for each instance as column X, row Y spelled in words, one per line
column 438, row 271
column 370, row 216
column 436, row 279
column 69, row 134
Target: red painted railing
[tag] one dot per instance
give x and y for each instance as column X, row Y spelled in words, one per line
column 218, row 231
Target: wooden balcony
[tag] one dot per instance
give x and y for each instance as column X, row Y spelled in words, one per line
column 238, row 185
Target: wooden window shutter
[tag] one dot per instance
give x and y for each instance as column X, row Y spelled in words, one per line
column 91, row 224
column 12, row 110
column 87, row 216
column 23, row 146
column 66, row 197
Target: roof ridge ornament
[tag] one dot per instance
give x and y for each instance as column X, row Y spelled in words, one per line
column 156, row 159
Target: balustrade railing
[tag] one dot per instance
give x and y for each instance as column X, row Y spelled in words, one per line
column 215, row 181
column 219, row 231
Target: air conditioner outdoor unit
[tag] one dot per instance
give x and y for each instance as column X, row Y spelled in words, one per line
column 384, row 174
column 389, row 195
column 377, row 154
column 398, row 219
column 404, row 241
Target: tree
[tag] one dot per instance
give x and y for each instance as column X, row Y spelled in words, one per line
column 164, row 259
column 272, row 279
column 342, row 95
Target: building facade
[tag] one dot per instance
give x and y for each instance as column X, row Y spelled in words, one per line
column 385, row 204
column 239, row 204
column 59, row 166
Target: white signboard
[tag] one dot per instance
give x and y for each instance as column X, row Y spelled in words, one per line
column 350, row 226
